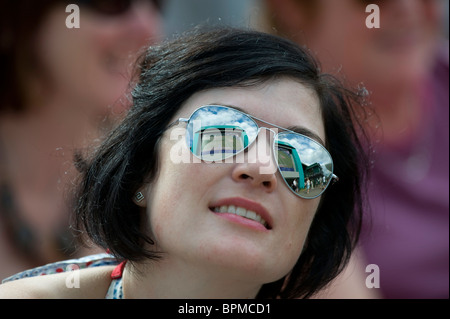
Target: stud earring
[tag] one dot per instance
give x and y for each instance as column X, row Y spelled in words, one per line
column 139, row 197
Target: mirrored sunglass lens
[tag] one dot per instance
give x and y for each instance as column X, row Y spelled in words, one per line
column 215, row 133
column 305, row 165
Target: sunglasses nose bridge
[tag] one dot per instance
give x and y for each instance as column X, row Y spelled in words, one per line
column 269, row 141
column 273, row 130
column 261, row 150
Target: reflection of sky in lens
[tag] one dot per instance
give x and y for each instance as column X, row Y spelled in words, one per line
column 210, row 116
column 309, row 151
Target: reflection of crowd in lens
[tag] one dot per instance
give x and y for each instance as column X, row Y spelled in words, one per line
column 314, row 177
column 311, row 183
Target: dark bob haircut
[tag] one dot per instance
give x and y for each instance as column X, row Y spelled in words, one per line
column 167, row 75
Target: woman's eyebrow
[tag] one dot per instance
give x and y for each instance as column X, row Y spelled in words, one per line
column 297, row 129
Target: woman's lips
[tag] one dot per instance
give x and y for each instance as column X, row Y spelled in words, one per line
column 243, row 211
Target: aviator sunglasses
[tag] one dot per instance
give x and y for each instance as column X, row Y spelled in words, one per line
column 115, row 7
column 215, row 133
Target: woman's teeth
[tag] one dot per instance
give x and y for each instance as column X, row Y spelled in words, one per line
column 231, row 209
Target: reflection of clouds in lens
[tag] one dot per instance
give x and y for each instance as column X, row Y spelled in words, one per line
column 217, row 116
column 309, row 151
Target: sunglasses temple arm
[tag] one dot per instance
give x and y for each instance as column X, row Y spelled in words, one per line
column 334, row 178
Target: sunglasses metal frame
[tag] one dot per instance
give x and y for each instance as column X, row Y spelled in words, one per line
column 333, row 178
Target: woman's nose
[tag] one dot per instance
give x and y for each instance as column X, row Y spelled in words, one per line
column 257, row 166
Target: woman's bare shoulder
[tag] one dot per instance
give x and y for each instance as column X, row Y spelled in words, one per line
column 90, row 283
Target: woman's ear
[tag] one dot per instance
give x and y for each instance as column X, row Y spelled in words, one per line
column 139, row 197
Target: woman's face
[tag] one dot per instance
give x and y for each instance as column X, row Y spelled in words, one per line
column 90, row 65
column 181, row 201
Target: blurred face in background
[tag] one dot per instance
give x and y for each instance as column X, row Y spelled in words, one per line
column 91, row 65
column 398, row 52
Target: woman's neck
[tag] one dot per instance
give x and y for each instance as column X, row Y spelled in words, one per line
column 169, row 279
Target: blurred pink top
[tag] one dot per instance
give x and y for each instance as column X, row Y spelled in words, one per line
column 408, row 234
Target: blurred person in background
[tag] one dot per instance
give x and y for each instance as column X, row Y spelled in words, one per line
column 404, row 66
column 59, row 87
